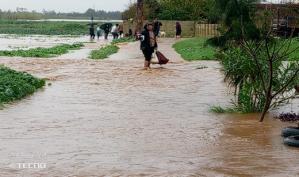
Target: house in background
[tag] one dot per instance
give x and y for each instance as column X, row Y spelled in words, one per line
column 285, row 16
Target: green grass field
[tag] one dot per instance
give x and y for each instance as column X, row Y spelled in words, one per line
column 42, row 52
column 104, row 52
column 43, row 28
column 17, row 85
column 195, row 49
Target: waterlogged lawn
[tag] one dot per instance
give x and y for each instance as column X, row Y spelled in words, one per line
column 195, row 49
column 42, row 52
column 104, row 52
column 17, row 85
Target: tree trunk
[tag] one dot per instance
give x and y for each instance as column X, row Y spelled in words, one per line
column 139, row 16
column 266, row 108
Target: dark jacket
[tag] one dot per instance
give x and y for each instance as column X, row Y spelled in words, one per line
column 146, row 44
column 157, row 26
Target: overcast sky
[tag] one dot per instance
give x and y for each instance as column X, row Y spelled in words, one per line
column 65, row 5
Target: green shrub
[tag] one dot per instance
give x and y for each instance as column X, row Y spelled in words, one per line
column 16, row 85
column 254, row 72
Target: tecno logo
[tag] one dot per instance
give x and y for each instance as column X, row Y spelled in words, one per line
column 31, row 165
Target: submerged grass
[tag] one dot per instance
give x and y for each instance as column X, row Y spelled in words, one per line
column 104, row 52
column 43, row 52
column 16, row 85
column 219, row 110
column 123, row 40
column 195, row 49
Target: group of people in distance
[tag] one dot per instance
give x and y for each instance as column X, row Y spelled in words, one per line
column 116, row 31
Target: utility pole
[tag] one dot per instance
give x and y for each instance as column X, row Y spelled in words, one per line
column 139, row 16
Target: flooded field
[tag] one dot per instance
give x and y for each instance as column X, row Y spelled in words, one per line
column 111, row 118
column 15, row 42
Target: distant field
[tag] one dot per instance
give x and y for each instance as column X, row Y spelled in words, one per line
column 43, row 27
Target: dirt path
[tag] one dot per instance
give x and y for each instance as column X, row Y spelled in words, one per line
column 112, row 118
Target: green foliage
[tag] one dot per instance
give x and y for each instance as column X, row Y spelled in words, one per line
column 183, row 10
column 294, row 56
column 175, row 10
column 151, row 9
column 123, row 40
column 43, row 28
column 195, row 49
column 237, row 19
column 42, row 52
column 250, row 73
column 16, row 85
column 104, row 52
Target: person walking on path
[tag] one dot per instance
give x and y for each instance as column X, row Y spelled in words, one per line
column 157, row 27
column 115, row 31
column 148, row 44
column 178, row 29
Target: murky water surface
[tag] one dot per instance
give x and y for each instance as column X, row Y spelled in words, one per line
column 110, row 118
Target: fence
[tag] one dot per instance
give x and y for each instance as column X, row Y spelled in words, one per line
column 206, row 30
column 189, row 28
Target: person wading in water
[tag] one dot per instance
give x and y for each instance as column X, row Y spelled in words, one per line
column 148, row 44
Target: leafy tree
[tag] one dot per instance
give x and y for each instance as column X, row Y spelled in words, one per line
column 237, row 15
column 151, row 9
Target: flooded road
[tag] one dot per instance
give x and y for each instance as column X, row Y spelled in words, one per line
column 110, row 118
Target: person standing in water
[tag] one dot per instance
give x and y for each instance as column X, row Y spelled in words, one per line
column 106, row 27
column 99, row 32
column 148, row 44
column 91, row 32
column 178, row 29
column 114, row 31
column 121, row 30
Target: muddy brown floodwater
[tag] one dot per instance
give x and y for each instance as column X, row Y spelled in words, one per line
column 110, row 118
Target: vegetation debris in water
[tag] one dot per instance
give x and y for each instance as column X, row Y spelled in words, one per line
column 16, row 85
column 42, row 52
column 104, row 52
